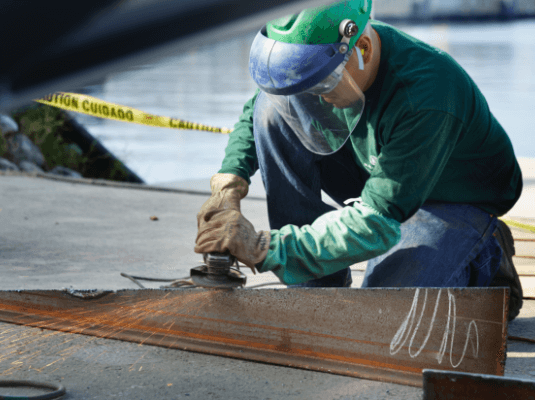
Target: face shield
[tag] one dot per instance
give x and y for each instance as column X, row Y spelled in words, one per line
column 311, row 89
column 324, row 116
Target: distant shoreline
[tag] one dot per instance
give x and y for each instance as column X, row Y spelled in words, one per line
column 389, row 19
column 432, row 11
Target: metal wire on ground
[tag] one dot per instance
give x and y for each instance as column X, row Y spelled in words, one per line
column 133, row 280
column 180, row 282
column 184, row 283
column 58, row 390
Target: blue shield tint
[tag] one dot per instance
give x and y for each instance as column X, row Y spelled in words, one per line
column 285, row 68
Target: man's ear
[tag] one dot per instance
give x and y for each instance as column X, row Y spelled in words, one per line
column 364, row 45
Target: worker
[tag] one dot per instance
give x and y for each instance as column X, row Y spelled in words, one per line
column 395, row 132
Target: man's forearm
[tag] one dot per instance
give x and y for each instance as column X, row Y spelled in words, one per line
column 334, row 241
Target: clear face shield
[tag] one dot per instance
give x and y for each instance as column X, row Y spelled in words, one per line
column 324, row 116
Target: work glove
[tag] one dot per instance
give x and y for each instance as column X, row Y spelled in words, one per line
column 228, row 230
column 227, row 191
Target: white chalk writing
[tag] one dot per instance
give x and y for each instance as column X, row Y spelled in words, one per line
column 404, row 331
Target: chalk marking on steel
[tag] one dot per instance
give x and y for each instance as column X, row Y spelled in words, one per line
column 403, row 332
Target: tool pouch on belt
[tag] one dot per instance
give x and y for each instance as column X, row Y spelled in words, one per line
column 227, row 191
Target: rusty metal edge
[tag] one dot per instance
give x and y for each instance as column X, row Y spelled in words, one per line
column 441, row 384
column 357, row 368
column 505, row 332
column 228, row 350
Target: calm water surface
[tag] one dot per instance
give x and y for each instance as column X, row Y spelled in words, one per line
column 209, row 85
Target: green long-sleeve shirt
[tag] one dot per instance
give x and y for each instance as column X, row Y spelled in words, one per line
column 426, row 134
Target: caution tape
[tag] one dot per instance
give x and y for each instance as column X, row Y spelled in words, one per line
column 99, row 108
column 520, row 225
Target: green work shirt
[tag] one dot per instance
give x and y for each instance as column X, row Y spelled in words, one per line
column 426, row 134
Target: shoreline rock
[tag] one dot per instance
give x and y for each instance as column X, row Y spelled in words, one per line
column 21, row 154
column 42, row 139
column 6, row 165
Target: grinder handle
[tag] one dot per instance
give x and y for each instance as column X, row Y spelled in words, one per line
column 220, row 260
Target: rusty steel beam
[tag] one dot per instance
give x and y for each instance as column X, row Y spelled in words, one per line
column 465, row 386
column 388, row 335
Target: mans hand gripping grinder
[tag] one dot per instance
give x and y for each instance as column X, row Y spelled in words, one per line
column 222, row 227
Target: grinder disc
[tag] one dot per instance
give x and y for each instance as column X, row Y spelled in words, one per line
column 232, row 279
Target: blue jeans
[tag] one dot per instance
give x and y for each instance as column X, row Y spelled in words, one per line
column 442, row 245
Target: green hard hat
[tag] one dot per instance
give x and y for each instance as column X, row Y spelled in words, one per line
column 319, row 25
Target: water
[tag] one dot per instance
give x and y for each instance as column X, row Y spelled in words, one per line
column 209, row 85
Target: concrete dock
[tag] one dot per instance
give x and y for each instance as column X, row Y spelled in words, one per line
column 81, row 234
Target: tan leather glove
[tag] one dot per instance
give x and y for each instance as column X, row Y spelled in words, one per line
column 229, row 230
column 227, row 191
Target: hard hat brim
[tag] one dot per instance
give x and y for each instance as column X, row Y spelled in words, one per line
column 281, row 68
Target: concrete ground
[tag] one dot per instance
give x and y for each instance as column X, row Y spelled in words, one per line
column 58, row 234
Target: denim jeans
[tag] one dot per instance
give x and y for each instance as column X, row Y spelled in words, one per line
column 442, row 245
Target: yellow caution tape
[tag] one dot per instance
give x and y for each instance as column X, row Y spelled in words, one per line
column 520, row 225
column 98, row 108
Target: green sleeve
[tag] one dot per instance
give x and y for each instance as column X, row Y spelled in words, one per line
column 240, row 153
column 334, row 241
column 411, row 162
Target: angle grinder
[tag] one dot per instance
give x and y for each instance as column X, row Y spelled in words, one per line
column 216, row 272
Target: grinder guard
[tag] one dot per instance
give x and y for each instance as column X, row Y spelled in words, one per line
column 217, row 273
